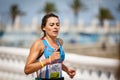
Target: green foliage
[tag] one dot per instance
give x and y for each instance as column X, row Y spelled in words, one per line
column 76, row 6
column 14, row 11
column 49, row 7
column 104, row 13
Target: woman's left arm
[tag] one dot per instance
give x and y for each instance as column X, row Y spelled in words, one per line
column 70, row 72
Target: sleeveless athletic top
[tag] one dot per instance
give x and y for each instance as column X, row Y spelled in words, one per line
column 54, row 70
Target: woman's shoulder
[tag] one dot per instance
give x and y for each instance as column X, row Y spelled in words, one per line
column 38, row 44
column 61, row 41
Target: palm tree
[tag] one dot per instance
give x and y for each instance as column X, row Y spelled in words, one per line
column 14, row 11
column 76, row 6
column 49, row 7
column 104, row 13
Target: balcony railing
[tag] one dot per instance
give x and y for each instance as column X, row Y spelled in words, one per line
column 12, row 62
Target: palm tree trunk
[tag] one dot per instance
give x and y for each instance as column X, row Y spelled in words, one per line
column 13, row 20
column 101, row 22
column 76, row 19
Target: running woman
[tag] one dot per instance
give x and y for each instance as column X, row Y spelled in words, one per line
column 46, row 54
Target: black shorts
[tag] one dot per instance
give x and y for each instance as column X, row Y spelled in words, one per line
column 62, row 78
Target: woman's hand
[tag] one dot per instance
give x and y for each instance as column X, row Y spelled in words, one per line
column 71, row 73
column 55, row 56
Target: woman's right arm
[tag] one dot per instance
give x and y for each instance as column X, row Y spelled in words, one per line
column 35, row 51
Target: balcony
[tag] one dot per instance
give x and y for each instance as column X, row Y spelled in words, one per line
column 12, row 62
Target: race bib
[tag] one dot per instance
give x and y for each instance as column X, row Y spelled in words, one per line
column 54, row 75
column 54, row 70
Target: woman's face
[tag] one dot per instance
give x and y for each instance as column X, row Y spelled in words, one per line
column 52, row 27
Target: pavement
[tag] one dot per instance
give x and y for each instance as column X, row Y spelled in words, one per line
column 110, row 51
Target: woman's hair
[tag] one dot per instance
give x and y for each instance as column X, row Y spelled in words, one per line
column 44, row 21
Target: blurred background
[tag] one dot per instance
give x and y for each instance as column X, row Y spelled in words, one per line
column 90, row 30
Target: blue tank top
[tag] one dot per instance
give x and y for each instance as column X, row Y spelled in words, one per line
column 54, row 69
column 48, row 50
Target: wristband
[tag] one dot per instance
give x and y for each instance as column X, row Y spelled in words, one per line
column 41, row 63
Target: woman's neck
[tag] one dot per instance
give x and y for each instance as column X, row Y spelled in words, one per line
column 51, row 39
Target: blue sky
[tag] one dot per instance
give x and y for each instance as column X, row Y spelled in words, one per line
column 31, row 7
